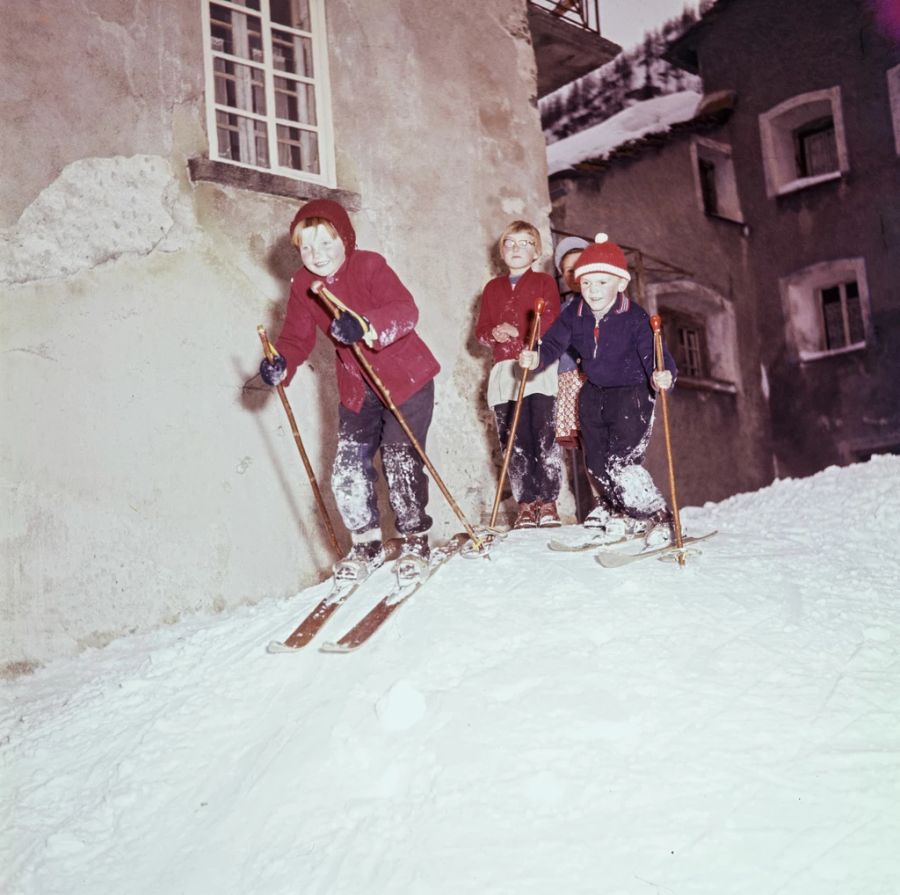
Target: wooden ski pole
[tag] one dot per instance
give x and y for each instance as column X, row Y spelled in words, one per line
column 656, row 326
column 535, row 328
column 335, row 306
column 271, row 354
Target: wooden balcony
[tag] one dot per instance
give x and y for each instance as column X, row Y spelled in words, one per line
column 567, row 41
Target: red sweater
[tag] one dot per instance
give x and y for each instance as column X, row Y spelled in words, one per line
column 501, row 303
column 366, row 284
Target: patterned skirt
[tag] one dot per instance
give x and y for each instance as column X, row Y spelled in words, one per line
column 567, row 408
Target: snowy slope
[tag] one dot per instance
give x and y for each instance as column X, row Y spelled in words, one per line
column 648, row 117
column 531, row 723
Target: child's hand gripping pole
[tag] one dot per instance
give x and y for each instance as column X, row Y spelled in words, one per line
column 656, row 326
column 535, row 329
column 271, row 354
column 336, row 306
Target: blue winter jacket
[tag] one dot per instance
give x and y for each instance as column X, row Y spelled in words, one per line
column 616, row 352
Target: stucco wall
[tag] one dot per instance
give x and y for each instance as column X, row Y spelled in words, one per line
column 145, row 470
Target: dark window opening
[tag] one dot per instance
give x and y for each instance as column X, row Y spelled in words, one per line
column 708, row 186
column 686, row 340
column 842, row 316
column 815, row 148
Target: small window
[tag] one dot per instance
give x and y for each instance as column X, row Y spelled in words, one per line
column 708, row 186
column 716, row 183
column 815, row 148
column 827, row 307
column 842, row 316
column 700, row 333
column 803, row 142
column 267, row 86
column 686, row 339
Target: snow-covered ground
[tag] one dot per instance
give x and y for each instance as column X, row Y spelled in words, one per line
column 648, row 117
column 532, row 723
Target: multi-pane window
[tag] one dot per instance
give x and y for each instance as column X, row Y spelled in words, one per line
column 804, row 141
column 828, row 308
column 686, row 339
column 842, row 316
column 267, row 83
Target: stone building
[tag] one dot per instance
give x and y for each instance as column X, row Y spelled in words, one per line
column 770, row 233
column 154, row 155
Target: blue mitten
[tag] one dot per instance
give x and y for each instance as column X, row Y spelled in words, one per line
column 273, row 371
column 347, row 329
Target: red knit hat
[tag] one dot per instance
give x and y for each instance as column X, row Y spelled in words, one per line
column 330, row 211
column 602, row 256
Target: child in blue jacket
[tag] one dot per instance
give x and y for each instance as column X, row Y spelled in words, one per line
column 612, row 336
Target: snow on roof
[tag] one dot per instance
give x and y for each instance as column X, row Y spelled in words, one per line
column 647, row 117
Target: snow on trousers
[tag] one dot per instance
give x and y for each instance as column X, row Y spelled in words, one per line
column 360, row 435
column 535, row 467
column 615, row 431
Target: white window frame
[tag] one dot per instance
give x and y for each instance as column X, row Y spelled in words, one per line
column 320, row 82
column 716, row 314
column 801, row 296
column 728, row 203
column 893, row 80
column 776, row 131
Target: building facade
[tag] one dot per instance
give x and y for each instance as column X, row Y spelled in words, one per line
column 777, row 207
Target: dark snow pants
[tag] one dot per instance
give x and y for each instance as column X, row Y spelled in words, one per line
column 535, row 467
column 615, row 430
column 353, row 476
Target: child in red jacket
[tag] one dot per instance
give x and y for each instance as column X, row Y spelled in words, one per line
column 322, row 232
column 504, row 324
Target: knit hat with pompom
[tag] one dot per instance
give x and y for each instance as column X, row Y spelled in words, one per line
column 603, row 257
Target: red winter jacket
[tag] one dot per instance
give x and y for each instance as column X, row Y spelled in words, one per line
column 501, row 303
column 366, row 284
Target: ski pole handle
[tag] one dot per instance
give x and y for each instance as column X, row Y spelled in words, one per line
column 338, row 307
column 268, row 347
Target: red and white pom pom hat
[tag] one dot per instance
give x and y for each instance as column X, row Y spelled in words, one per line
column 602, row 256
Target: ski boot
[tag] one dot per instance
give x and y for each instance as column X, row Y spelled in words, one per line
column 608, row 527
column 414, row 556
column 527, row 517
column 547, row 515
column 365, row 557
column 658, row 530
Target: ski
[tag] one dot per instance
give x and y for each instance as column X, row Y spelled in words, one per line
column 593, row 544
column 613, row 559
column 342, row 588
column 375, row 618
column 340, row 592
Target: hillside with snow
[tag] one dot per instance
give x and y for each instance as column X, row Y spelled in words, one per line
column 528, row 723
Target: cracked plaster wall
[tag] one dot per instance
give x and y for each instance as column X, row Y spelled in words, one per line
column 148, row 473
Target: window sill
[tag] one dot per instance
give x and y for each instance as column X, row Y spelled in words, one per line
column 709, row 385
column 737, row 222
column 225, row 174
column 808, row 356
column 803, row 183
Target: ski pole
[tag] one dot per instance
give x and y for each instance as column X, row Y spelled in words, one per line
column 535, row 326
column 335, row 306
column 656, row 326
column 271, row 354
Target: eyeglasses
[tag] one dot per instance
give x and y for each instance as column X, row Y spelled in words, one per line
column 521, row 243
